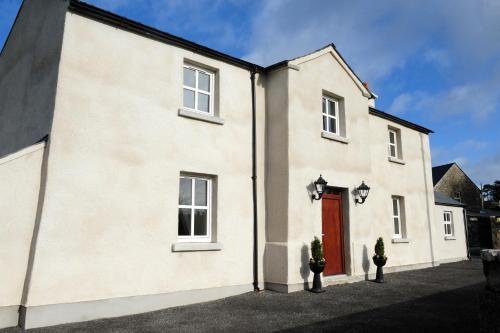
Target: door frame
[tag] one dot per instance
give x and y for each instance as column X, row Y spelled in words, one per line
column 342, row 193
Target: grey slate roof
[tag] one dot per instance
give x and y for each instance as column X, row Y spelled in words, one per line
column 441, row 199
column 439, row 171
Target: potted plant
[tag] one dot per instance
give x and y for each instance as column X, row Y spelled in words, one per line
column 379, row 259
column 317, row 265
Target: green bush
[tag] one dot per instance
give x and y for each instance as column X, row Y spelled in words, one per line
column 317, row 250
column 379, row 247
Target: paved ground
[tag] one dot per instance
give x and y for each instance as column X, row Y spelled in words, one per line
column 444, row 299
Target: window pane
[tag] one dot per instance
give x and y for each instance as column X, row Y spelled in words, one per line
column 392, row 138
column 325, row 120
column 189, row 98
column 331, row 108
column 445, row 229
column 200, row 222
column 203, row 81
column 333, row 125
column 185, row 191
column 189, row 77
column 395, row 207
column 200, row 190
column 184, row 222
column 396, row 226
column 392, row 151
column 203, row 102
column 324, row 105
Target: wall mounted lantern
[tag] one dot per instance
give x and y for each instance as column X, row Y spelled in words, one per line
column 320, row 185
column 361, row 192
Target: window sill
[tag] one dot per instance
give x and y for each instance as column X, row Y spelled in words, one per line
column 191, row 247
column 450, row 238
column 396, row 160
column 200, row 116
column 400, row 240
column 334, row 137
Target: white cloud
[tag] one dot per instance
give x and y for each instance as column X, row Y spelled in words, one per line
column 380, row 38
column 476, row 101
column 485, row 170
column 402, row 103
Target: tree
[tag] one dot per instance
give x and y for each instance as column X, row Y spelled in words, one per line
column 491, row 192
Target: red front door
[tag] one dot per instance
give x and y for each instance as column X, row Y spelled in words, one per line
column 333, row 243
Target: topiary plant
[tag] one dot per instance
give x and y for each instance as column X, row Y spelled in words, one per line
column 317, row 250
column 379, row 247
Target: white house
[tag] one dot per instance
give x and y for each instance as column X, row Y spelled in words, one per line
column 139, row 170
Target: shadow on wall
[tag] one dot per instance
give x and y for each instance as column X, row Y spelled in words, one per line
column 366, row 262
column 304, row 268
column 311, row 191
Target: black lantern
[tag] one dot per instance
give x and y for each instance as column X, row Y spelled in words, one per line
column 362, row 192
column 320, row 185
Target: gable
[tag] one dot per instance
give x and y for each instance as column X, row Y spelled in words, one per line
column 29, row 65
column 332, row 51
column 439, row 171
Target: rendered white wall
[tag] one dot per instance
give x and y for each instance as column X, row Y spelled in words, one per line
column 454, row 248
column 117, row 149
column 365, row 157
column 20, row 184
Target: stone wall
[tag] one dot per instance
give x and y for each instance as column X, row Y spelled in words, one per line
column 455, row 180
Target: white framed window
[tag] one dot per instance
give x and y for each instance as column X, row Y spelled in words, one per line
column 331, row 115
column 194, row 216
column 458, row 196
column 198, row 89
column 448, row 223
column 397, row 217
column 393, row 143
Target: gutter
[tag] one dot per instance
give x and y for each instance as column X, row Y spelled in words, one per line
column 254, row 186
column 398, row 120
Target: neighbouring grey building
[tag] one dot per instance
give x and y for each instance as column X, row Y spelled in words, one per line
column 451, row 181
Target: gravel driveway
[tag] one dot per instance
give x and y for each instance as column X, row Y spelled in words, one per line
column 443, row 298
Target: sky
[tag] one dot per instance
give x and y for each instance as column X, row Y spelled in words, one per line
column 435, row 63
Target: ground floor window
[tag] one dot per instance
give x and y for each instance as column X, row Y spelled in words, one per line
column 448, row 223
column 398, row 217
column 194, row 209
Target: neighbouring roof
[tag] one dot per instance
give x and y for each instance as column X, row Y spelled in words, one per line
column 398, row 120
column 439, row 171
column 481, row 212
column 441, row 199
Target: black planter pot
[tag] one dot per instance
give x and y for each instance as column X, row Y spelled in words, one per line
column 379, row 262
column 317, row 269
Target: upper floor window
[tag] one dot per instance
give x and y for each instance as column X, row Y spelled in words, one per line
column 398, row 217
column 331, row 115
column 198, row 89
column 393, row 144
column 448, row 223
column 458, row 196
column 194, row 209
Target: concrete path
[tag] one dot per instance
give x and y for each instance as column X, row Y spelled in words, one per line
column 443, row 298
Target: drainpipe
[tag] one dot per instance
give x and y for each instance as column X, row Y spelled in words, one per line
column 466, row 226
column 254, row 186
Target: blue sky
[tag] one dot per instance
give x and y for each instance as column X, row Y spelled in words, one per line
column 436, row 63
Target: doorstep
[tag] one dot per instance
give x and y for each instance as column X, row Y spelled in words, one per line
column 331, row 280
